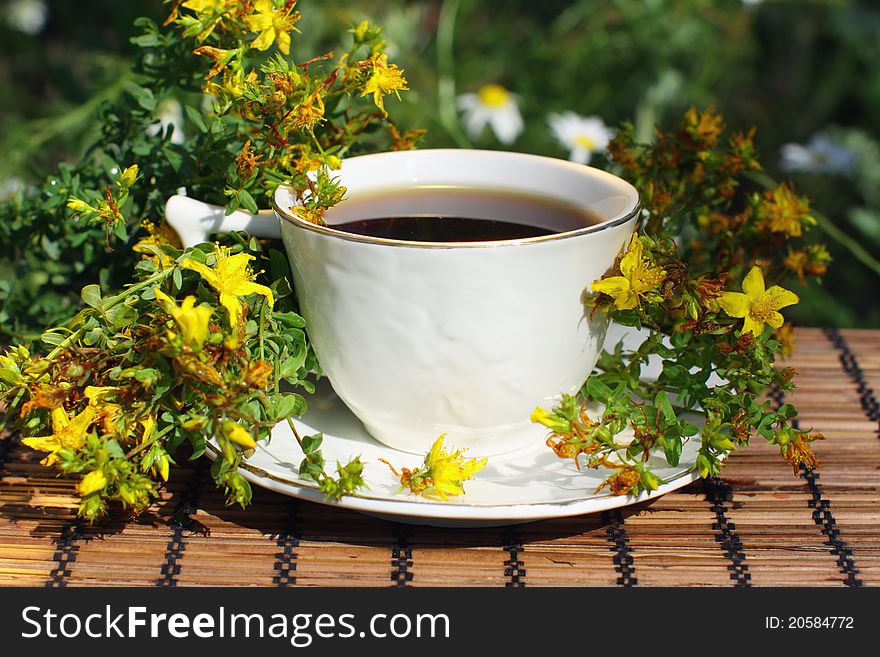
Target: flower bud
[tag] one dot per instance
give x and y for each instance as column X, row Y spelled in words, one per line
column 550, row 420
column 91, row 483
column 238, row 434
column 129, row 176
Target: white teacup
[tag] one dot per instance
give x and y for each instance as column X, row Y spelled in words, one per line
column 464, row 338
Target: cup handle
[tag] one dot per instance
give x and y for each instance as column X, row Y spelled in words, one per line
column 194, row 220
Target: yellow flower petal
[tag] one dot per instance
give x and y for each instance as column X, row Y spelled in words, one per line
column 775, row 320
column 244, row 289
column 59, row 419
column 753, row 283
column 232, row 278
column 233, row 307
column 284, row 42
column 206, row 272
column 42, row 443
column 264, row 41
column 735, row 304
column 781, row 297
column 633, row 257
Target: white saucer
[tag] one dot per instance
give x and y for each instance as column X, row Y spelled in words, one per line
column 522, row 486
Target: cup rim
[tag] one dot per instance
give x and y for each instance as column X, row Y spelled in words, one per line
column 617, row 220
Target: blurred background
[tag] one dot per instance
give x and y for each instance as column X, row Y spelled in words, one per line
column 806, row 74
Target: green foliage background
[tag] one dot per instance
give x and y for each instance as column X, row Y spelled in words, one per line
column 792, row 69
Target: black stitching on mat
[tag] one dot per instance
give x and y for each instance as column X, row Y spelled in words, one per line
column 867, row 396
column 401, row 557
column 288, row 541
column 822, row 515
column 514, row 568
column 718, row 492
column 182, row 519
column 623, row 561
column 65, row 554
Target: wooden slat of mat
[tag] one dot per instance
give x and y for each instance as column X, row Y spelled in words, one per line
column 341, row 548
column 849, row 479
column 850, row 472
column 461, row 557
column 34, row 509
column 231, row 546
column 673, row 543
column 569, row 552
column 781, row 546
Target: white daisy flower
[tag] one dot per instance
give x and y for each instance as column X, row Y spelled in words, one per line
column 583, row 135
column 493, row 105
column 169, row 113
column 28, row 16
column 819, row 155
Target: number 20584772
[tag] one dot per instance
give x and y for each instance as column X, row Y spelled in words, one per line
column 809, row 623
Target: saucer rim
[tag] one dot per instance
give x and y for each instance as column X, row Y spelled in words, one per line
column 427, row 509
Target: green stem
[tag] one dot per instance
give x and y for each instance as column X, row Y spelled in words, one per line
column 137, row 287
column 847, row 242
column 150, row 442
column 446, row 66
column 295, row 433
column 61, row 346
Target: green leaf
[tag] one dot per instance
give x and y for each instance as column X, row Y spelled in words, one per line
column 142, row 96
column 195, row 117
column 247, row 201
column 673, row 450
column 174, row 157
column 91, row 296
column 289, row 404
column 51, row 338
column 661, row 401
column 311, row 470
column 291, row 365
column 311, row 444
column 291, row 320
column 114, row 449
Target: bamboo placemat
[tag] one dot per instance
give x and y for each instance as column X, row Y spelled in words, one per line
column 758, row 526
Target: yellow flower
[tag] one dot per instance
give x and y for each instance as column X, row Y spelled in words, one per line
column 66, row 433
column 192, row 320
column 757, row 306
column 443, row 473
column 448, row 470
column 384, row 79
column 637, row 280
column 783, row 211
column 308, row 112
column 705, row 126
column 272, row 26
column 798, row 452
column 232, row 278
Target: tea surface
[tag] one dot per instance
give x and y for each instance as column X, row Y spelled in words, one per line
column 456, row 214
